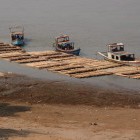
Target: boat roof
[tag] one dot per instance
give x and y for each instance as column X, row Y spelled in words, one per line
column 15, row 33
column 65, row 42
column 62, row 36
column 115, row 44
column 122, row 53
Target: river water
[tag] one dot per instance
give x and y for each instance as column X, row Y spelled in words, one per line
column 91, row 24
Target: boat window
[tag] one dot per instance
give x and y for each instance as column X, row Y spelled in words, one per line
column 114, row 49
column 112, row 56
column 121, row 48
column 128, row 57
column 13, row 37
column 63, row 39
column 66, row 46
column 117, row 48
column 117, row 58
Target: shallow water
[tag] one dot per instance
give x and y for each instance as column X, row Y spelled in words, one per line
column 90, row 23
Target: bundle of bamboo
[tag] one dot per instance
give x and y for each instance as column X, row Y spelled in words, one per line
column 68, row 64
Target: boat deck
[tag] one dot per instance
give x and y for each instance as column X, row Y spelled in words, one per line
column 67, row 64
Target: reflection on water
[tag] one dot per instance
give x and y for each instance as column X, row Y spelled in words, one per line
column 90, row 23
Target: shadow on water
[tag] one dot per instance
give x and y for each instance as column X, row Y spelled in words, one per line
column 6, row 133
column 27, row 41
column 10, row 110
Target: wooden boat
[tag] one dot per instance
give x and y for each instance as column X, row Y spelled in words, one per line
column 17, row 35
column 116, row 53
column 63, row 44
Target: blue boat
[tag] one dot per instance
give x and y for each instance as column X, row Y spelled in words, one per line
column 63, row 44
column 18, row 42
column 17, row 35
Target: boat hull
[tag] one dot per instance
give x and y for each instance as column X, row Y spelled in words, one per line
column 74, row 52
column 18, row 43
column 133, row 63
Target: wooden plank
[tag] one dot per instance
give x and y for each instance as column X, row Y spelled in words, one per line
column 81, row 60
column 122, row 75
column 58, row 56
column 3, row 45
column 13, row 54
column 9, row 49
column 44, row 53
column 51, row 65
column 102, row 63
column 124, row 70
column 107, row 66
column 121, row 68
column 64, row 59
column 131, row 72
column 34, row 64
column 136, row 76
column 3, row 52
column 91, row 74
column 30, row 60
column 22, row 58
column 60, row 68
column 78, row 70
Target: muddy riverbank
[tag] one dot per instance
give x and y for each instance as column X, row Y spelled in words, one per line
column 25, row 89
column 39, row 109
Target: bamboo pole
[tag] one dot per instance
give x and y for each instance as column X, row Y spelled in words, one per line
column 13, row 55
column 64, row 59
column 60, row 68
column 34, row 64
column 4, row 52
column 78, row 70
column 22, row 58
column 136, row 76
column 91, row 74
column 58, row 56
column 44, row 53
column 9, row 49
column 51, row 66
column 30, row 60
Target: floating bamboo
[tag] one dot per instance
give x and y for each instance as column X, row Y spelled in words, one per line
column 91, row 74
column 30, row 60
column 68, row 64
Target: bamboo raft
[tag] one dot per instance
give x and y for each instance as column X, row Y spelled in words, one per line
column 67, row 64
column 7, row 48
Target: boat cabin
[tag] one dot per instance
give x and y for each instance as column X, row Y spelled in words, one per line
column 116, row 47
column 17, row 35
column 116, row 52
column 62, row 38
column 64, row 43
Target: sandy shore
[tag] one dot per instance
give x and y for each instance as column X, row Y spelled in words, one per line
column 32, row 109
